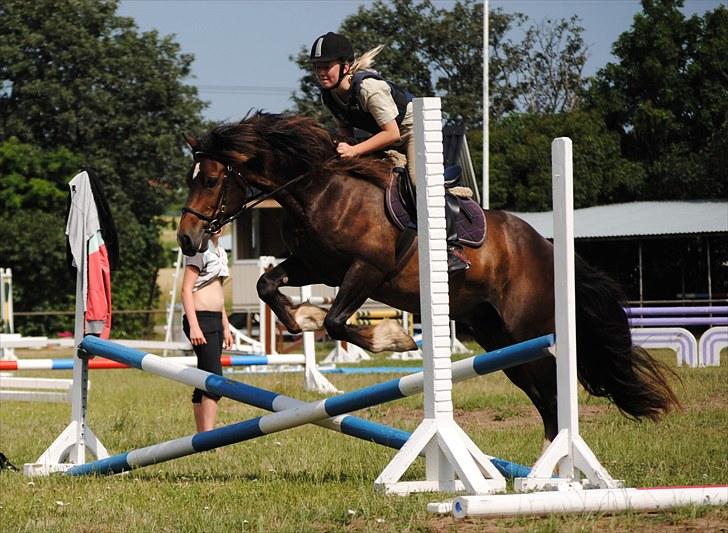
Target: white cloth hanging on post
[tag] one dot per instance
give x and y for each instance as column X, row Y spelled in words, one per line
column 83, row 229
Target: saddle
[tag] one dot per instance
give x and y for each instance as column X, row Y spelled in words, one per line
column 401, row 207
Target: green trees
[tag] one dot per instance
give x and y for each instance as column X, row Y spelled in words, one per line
column 82, row 87
column 433, row 50
column 520, row 161
column 652, row 126
column 33, row 202
column 429, row 51
column 667, row 98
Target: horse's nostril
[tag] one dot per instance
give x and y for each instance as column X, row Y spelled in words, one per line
column 185, row 242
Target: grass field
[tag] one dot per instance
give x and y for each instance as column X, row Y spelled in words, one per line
column 311, row 479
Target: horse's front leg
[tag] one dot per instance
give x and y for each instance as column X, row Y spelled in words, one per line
column 358, row 284
column 297, row 318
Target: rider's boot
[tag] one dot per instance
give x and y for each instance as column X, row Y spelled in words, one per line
column 456, row 261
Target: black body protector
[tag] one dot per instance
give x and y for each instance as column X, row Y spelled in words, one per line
column 353, row 115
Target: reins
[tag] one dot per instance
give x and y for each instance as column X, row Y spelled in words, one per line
column 217, row 221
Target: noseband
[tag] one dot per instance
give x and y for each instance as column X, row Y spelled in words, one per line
column 218, row 219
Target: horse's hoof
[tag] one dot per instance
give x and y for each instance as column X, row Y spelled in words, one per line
column 407, row 344
column 309, row 317
column 293, row 328
column 388, row 335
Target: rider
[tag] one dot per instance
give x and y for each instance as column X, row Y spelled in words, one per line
column 360, row 98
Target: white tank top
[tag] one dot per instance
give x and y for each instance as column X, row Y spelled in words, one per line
column 212, row 264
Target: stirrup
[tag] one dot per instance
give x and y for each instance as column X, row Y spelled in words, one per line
column 456, row 262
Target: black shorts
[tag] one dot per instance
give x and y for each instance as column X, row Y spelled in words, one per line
column 208, row 355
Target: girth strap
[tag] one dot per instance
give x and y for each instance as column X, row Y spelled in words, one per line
column 404, row 248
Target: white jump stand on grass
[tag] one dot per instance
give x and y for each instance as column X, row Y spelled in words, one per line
column 69, row 448
column 345, row 352
column 453, row 462
column 568, row 454
column 568, row 477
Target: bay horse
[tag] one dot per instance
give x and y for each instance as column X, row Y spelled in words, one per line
column 338, row 234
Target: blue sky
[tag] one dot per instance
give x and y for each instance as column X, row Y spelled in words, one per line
column 242, row 47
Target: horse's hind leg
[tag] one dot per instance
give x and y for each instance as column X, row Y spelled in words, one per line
column 291, row 272
column 537, row 378
column 358, row 284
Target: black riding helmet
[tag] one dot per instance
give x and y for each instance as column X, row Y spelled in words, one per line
column 332, row 46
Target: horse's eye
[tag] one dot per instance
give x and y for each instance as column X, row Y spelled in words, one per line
column 210, row 183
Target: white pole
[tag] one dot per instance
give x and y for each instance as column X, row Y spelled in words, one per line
column 267, row 321
column 452, row 461
column 568, row 454
column 172, row 300
column 486, row 111
column 314, row 380
column 6, row 299
column 588, row 501
column 565, row 294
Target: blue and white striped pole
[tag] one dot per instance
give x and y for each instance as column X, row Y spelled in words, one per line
column 291, row 413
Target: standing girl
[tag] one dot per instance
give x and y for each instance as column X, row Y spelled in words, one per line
column 205, row 322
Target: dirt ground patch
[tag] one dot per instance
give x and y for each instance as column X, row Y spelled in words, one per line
column 717, row 522
column 512, row 417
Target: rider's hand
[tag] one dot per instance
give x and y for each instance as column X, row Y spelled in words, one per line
column 346, row 150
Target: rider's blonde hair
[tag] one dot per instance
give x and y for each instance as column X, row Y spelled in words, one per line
column 365, row 60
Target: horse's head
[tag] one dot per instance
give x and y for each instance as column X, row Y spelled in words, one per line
column 217, row 193
column 264, row 152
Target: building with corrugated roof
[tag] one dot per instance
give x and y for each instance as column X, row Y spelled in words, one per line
column 658, row 251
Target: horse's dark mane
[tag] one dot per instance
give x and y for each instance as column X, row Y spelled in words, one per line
column 296, row 141
column 260, row 134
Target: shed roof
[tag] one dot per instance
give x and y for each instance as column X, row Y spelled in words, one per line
column 639, row 219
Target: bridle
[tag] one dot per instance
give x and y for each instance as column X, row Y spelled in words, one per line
column 219, row 218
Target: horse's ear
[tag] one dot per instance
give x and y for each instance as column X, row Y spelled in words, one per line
column 192, row 141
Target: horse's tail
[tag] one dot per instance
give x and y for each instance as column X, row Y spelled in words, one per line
column 609, row 365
